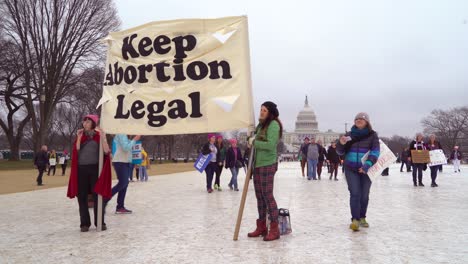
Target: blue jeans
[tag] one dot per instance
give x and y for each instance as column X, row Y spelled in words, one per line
column 359, row 187
column 123, row 170
column 233, row 182
column 210, row 171
column 312, row 169
column 143, row 173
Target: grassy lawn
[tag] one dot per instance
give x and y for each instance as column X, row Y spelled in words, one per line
column 16, row 165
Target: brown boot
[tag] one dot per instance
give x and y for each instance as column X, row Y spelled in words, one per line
column 274, row 232
column 261, row 229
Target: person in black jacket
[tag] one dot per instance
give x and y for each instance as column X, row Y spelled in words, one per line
column 303, row 155
column 334, row 160
column 41, row 160
column 210, row 148
column 418, row 168
column 234, row 162
column 404, row 160
column 321, row 159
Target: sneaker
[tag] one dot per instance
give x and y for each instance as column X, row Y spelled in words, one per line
column 354, row 225
column 84, row 229
column 363, row 223
column 216, row 186
column 230, row 187
column 123, row 211
column 219, row 188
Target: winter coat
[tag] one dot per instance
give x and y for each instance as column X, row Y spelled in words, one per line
column 231, row 158
column 41, row 159
column 332, row 155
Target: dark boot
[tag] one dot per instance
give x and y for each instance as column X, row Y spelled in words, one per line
column 261, row 229
column 274, row 232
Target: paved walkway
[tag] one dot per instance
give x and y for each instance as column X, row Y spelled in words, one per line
column 176, row 221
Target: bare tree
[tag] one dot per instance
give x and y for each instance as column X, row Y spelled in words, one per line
column 56, row 39
column 12, row 92
column 450, row 126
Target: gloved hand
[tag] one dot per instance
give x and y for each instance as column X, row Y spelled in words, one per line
column 251, row 141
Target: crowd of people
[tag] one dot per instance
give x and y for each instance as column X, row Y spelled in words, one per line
column 348, row 151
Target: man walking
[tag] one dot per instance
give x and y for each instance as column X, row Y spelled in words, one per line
column 456, row 158
column 312, row 159
column 40, row 162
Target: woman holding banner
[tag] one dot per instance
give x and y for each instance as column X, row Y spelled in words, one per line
column 84, row 176
column 268, row 134
column 418, row 168
column 433, row 145
column 210, row 148
column 354, row 145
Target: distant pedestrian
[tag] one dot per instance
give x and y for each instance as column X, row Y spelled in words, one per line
column 456, row 158
column 303, row 155
column 404, row 160
column 354, row 145
column 65, row 157
column 433, row 145
column 418, row 168
column 41, row 160
column 313, row 153
column 321, row 159
column 52, row 162
column 220, row 158
column 334, row 160
column 234, row 162
column 143, row 172
column 210, row 170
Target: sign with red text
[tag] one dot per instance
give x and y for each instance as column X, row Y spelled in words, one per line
column 386, row 158
column 178, row 77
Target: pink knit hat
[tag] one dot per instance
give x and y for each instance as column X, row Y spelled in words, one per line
column 211, row 135
column 233, row 141
column 219, row 136
column 94, row 118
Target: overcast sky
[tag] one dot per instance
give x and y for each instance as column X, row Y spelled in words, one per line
column 395, row 59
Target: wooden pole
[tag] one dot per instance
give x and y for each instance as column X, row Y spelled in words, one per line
column 251, row 132
column 244, row 193
column 99, row 201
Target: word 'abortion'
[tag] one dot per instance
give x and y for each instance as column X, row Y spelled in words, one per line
column 178, row 71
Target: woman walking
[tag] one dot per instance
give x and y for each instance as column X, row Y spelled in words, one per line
column 220, row 158
column 418, row 168
column 210, row 148
column 456, row 157
column 354, row 145
column 334, row 160
column 433, row 145
column 65, row 158
column 268, row 133
column 84, row 176
column 122, row 161
column 234, row 162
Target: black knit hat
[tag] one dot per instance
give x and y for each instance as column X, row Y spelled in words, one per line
column 271, row 108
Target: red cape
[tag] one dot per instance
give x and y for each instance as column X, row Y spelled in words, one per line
column 104, row 183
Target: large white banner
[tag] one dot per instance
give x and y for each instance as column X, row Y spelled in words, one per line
column 178, row 77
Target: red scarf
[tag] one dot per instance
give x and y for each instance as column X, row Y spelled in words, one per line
column 103, row 184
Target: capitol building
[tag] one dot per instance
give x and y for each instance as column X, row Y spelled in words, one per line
column 306, row 126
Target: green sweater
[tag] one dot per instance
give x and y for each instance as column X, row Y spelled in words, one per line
column 266, row 145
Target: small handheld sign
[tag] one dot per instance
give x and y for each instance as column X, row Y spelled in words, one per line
column 202, row 162
column 137, row 157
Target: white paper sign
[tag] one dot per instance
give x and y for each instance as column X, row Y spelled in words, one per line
column 52, row 162
column 62, row 160
column 386, row 158
column 437, row 157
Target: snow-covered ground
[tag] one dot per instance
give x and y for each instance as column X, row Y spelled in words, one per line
column 176, row 221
